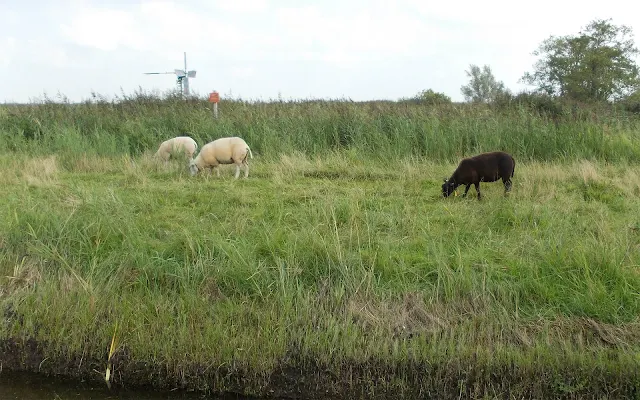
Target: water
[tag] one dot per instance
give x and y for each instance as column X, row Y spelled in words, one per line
column 29, row 386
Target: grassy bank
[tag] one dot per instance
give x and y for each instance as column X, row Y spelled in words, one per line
column 326, row 275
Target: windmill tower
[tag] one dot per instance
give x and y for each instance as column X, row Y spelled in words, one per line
column 182, row 77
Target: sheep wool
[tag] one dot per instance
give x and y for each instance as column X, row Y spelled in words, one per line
column 184, row 143
column 227, row 150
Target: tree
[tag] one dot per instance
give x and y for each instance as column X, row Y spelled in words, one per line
column 632, row 102
column 597, row 64
column 483, row 86
column 430, row 97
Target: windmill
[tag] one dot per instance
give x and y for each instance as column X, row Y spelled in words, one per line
column 183, row 76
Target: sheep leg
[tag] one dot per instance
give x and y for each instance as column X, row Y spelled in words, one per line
column 246, row 169
column 466, row 189
column 237, row 171
column 477, row 185
column 507, row 185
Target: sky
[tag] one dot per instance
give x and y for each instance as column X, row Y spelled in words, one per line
column 289, row 49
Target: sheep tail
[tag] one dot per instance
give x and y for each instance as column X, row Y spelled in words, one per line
column 250, row 154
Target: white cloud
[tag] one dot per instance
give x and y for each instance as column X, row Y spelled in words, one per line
column 101, row 28
column 354, row 39
column 166, row 24
column 243, row 72
column 507, row 22
column 7, row 49
column 242, row 6
column 160, row 27
column 45, row 52
column 10, row 17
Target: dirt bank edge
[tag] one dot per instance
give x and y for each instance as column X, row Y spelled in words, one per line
column 296, row 377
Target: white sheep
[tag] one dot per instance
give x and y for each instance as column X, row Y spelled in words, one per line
column 180, row 143
column 228, row 150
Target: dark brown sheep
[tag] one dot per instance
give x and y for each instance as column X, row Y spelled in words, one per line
column 485, row 167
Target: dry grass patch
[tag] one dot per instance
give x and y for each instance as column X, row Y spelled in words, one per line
column 25, row 274
column 93, row 164
column 41, row 171
column 588, row 172
column 289, row 166
column 403, row 317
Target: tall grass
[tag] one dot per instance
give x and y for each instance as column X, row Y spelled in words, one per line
column 383, row 130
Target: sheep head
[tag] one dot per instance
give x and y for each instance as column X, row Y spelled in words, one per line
column 193, row 167
column 448, row 187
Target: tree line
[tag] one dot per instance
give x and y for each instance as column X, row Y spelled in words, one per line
column 596, row 65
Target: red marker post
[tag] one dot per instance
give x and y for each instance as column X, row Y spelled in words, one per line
column 214, row 97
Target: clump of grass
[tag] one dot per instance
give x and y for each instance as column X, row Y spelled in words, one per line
column 348, row 265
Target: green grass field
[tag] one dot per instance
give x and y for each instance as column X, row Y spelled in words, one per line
column 330, row 271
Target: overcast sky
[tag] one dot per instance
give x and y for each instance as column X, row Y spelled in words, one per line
column 262, row 49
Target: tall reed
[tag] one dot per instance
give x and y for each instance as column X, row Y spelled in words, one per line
column 378, row 130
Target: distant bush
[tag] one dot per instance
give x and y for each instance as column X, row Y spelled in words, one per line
column 542, row 104
column 429, row 97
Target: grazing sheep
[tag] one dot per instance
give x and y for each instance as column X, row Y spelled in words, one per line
column 184, row 143
column 228, row 150
column 486, row 167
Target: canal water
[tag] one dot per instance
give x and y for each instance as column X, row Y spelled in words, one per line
column 28, row 386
